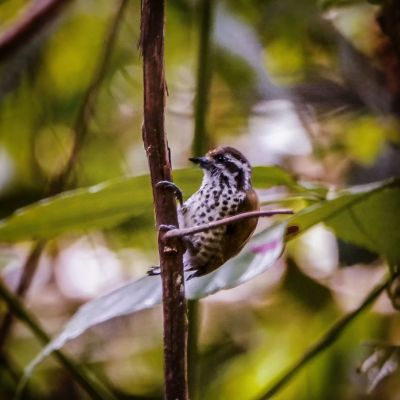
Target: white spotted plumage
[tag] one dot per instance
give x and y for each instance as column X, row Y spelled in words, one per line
column 219, row 196
column 225, row 190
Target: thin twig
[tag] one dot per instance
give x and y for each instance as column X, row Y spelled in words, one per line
column 37, row 17
column 200, row 145
column 92, row 386
column 157, row 151
column 9, row 365
column 173, row 233
column 59, row 182
column 86, row 109
column 326, row 340
column 28, row 272
column 201, row 139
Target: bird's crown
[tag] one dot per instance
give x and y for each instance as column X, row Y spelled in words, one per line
column 228, row 164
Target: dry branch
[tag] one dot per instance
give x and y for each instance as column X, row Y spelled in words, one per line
column 173, row 233
column 155, row 143
column 37, row 17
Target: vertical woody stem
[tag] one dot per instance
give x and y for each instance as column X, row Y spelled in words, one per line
column 201, row 143
column 201, row 140
column 170, row 250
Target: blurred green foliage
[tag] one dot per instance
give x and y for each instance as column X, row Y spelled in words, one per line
column 329, row 60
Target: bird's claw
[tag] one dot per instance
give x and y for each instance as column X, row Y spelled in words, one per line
column 166, row 228
column 171, row 186
column 155, row 270
column 194, row 275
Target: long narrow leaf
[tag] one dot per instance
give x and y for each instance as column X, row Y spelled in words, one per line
column 107, row 204
column 260, row 254
column 367, row 215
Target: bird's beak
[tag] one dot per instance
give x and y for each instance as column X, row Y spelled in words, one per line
column 203, row 162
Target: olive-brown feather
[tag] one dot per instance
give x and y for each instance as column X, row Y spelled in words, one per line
column 238, row 234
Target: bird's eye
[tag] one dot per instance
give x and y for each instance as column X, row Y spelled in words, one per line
column 220, row 158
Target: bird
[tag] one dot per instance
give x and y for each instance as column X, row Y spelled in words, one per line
column 226, row 190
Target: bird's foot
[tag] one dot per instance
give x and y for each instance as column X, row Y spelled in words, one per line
column 171, row 186
column 155, row 270
column 194, row 275
column 166, row 228
column 195, row 270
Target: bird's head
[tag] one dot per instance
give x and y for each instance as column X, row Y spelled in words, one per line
column 226, row 164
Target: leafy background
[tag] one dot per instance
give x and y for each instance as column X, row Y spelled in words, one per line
column 310, row 87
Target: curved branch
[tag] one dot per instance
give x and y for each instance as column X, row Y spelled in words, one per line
column 326, row 340
column 89, row 100
column 224, row 221
column 80, row 129
column 28, row 272
column 90, row 383
column 37, row 18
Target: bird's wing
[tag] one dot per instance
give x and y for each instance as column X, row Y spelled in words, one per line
column 239, row 233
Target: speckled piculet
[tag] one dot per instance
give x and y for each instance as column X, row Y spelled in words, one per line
column 226, row 190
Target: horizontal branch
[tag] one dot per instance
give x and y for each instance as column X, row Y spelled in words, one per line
column 180, row 232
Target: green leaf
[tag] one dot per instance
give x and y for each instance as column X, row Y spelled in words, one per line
column 370, row 202
column 367, row 215
column 259, row 255
column 265, row 177
column 107, row 204
column 99, row 206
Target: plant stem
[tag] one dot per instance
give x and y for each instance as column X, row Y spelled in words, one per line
column 28, row 273
column 193, row 336
column 180, row 232
column 89, row 99
column 170, row 250
column 91, row 385
column 37, row 17
column 331, row 335
column 200, row 145
column 204, row 72
column 59, row 182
